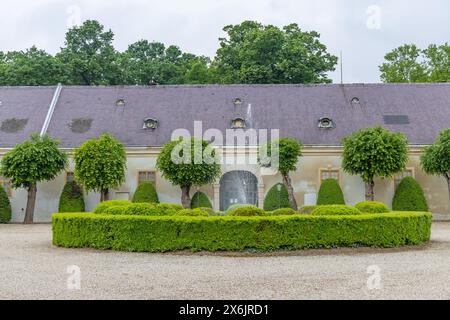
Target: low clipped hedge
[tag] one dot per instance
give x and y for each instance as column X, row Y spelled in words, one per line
column 139, row 209
column 193, row 213
column 145, row 193
column 336, row 210
column 105, row 205
column 307, row 209
column 200, row 200
column 372, row 207
column 5, row 207
column 162, row 234
column 283, row 212
column 409, row 196
column 248, row 211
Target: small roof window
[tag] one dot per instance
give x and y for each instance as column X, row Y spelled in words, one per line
column 238, row 123
column 237, row 101
column 355, row 100
column 120, row 102
column 150, row 124
column 326, row 123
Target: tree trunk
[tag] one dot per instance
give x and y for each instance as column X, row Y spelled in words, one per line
column 448, row 183
column 104, row 195
column 31, row 201
column 288, row 183
column 185, row 197
column 370, row 194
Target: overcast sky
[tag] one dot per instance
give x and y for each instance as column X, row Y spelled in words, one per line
column 364, row 30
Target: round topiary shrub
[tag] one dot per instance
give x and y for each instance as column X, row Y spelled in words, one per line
column 116, row 211
column 277, row 199
column 248, row 211
column 409, row 196
column 145, row 193
column 193, row 213
column 71, row 199
column 5, row 207
column 336, row 210
column 307, row 209
column 200, row 200
column 103, row 206
column 330, row 193
column 372, row 207
column 283, row 212
column 141, row 209
column 168, row 209
column 234, row 207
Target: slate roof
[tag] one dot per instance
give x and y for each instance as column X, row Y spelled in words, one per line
column 85, row 112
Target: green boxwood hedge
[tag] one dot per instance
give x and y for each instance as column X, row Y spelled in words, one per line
column 162, row 234
column 71, row 199
column 145, row 193
column 283, row 212
column 248, row 211
column 105, row 205
column 193, row 213
column 409, row 196
column 372, row 207
column 138, row 209
column 330, row 193
column 5, row 207
column 277, row 199
column 335, row 210
column 307, row 209
column 200, row 200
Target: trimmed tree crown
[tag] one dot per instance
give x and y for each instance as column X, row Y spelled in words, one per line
column 289, row 151
column 199, row 163
column 100, row 164
column 436, row 158
column 37, row 159
column 375, row 152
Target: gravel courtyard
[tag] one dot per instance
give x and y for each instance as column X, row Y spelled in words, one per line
column 31, row 268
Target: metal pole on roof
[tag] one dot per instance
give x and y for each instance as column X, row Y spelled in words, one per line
column 51, row 109
column 342, row 70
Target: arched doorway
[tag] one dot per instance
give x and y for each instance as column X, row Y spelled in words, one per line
column 238, row 187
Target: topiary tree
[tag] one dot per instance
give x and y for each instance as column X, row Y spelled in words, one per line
column 372, row 207
column 100, row 164
column 145, row 193
column 277, row 198
column 374, row 152
column 200, row 200
column 188, row 162
column 330, row 192
column 409, row 196
column 436, row 158
column 5, row 207
column 35, row 160
column 282, row 154
column 71, row 199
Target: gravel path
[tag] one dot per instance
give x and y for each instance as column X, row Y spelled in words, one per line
column 31, row 268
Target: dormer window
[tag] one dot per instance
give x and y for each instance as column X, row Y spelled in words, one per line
column 237, row 101
column 150, row 124
column 326, row 123
column 238, row 123
column 120, row 103
column 355, row 100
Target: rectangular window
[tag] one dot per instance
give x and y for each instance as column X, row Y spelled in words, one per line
column 6, row 184
column 329, row 174
column 398, row 178
column 146, row 176
column 70, row 177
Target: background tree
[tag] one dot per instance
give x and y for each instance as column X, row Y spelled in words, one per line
column 100, row 164
column 408, row 64
column 32, row 67
column 89, row 55
column 254, row 53
column 436, row 158
column 35, row 160
column 194, row 170
column 288, row 151
column 330, row 193
column 5, row 207
column 374, row 152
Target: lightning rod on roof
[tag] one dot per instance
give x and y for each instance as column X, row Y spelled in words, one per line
column 342, row 70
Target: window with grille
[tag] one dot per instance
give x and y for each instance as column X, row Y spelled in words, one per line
column 6, row 184
column 398, row 178
column 146, row 176
column 329, row 174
